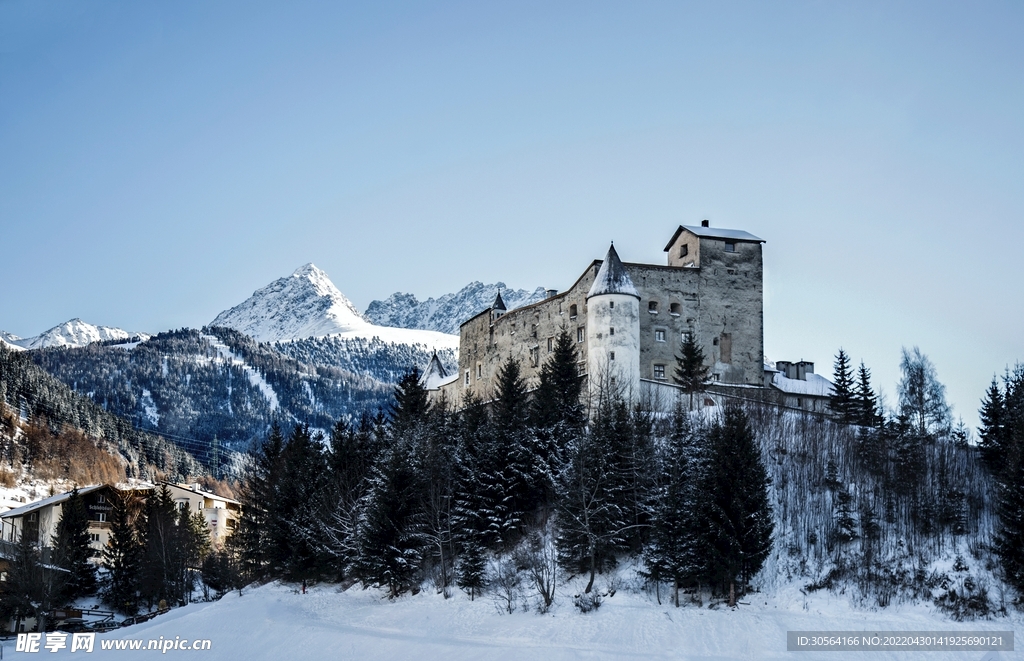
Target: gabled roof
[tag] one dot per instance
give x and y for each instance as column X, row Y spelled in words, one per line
column 46, row 502
column 714, row 233
column 498, row 303
column 613, row 277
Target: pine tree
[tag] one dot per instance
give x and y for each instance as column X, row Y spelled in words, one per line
column 739, row 513
column 411, row 402
column 1009, row 544
column 349, row 461
column 865, row 401
column 557, row 400
column 71, row 550
column 842, row 401
column 1010, row 482
column 160, row 549
column 294, row 544
column 472, row 569
column 592, row 518
column 123, row 554
column 193, row 539
column 678, row 544
column 389, row 540
column 22, row 593
column 691, row 373
column 557, row 410
column 515, row 470
column 992, row 432
column 258, row 499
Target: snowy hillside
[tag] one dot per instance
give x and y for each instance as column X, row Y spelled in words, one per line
column 277, row 623
column 444, row 314
column 307, row 304
column 9, row 340
column 73, row 333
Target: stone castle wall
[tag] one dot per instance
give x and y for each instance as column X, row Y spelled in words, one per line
column 721, row 302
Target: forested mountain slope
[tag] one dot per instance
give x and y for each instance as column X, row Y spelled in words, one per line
column 43, row 416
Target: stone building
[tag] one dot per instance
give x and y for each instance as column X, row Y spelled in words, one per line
column 628, row 319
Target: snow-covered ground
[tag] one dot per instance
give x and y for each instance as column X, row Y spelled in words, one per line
column 276, row 622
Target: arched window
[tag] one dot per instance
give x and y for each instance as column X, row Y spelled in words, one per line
column 572, row 311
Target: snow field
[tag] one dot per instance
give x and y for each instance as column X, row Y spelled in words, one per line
column 276, row 623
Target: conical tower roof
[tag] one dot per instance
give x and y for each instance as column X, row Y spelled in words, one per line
column 498, row 303
column 434, row 374
column 612, row 278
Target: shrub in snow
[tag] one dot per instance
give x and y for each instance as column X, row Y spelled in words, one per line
column 587, row 601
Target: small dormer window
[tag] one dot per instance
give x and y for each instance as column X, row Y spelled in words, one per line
column 684, row 250
column 730, row 246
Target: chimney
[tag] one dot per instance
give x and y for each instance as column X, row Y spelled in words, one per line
column 705, row 223
column 549, row 293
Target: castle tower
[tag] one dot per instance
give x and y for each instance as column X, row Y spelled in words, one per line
column 497, row 308
column 613, row 330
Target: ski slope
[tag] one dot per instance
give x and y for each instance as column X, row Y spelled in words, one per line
column 277, row 623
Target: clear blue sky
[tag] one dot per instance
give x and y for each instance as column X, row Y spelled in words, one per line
column 161, row 160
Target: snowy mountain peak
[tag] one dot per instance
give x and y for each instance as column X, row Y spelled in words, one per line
column 72, row 333
column 305, row 304
column 446, row 313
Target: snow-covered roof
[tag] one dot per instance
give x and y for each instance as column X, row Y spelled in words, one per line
column 612, row 278
column 45, row 502
column 815, row 385
column 206, row 494
column 434, row 375
column 713, row 233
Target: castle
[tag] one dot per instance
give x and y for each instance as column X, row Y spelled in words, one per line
column 628, row 320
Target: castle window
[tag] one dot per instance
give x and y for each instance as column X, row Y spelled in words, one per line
column 479, row 371
column 551, row 344
column 580, row 334
column 675, row 309
column 715, row 341
column 659, row 336
column 731, row 271
column 467, row 377
column 652, row 307
column 730, row 246
column 659, row 371
column 611, row 304
column 572, row 311
column 611, row 331
column 611, row 356
column 533, row 331
column 684, row 250
column 535, row 356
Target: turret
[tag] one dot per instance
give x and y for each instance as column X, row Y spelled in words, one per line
column 613, row 330
column 497, row 308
